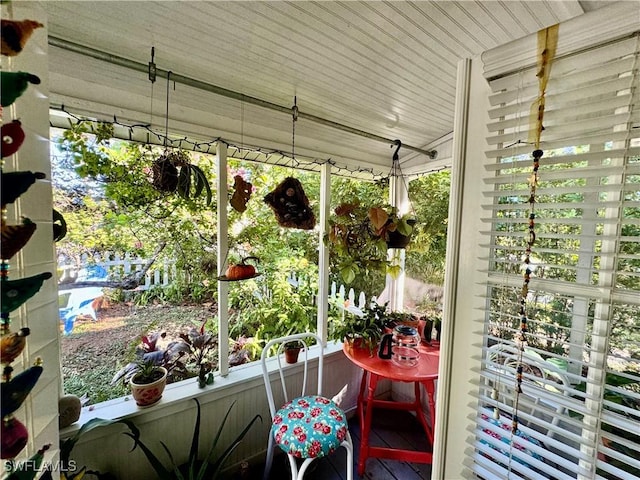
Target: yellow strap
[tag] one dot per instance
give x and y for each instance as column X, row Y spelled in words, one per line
column 547, row 43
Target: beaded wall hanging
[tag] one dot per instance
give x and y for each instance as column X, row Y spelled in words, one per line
column 547, row 41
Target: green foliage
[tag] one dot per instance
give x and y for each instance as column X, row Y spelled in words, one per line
column 66, row 446
column 93, row 383
column 368, row 327
column 425, row 259
column 194, row 469
column 281, row 308
column 354, row 242
column 146, row 372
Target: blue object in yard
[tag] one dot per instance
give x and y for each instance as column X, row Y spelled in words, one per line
column 79, row 303
column 80, row 300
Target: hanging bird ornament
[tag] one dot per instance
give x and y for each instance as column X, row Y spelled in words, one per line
column 14, row 237
column 15, row 34
column 13, row 437
column 12, row 137
column 16, row 292
column 12, row 344
column 15, row 390
column 14, row 84
column 15, row 184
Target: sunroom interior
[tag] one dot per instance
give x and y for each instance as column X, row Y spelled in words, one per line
column 454, row 82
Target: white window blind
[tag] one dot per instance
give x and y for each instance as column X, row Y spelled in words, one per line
column 579, row 410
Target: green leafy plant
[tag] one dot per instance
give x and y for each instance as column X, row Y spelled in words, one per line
column 201, row 345
column 194, row 468
column 174, row 172
column 368, row 326
column 293, row 345
column 359, row 236
column 68, row 469
column 149, row 357
column 147, row 372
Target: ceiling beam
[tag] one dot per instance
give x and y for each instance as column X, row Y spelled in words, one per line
column 167, row 74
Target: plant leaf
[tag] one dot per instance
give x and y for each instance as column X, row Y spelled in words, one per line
column 404, row 228
column 193, row 452
column 348, row 274
column 156, row 464
column 223, row 458
column 378, row 217
column 184, row 182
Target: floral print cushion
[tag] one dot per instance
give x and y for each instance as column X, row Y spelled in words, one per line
column 309, row 427
column 506, row 438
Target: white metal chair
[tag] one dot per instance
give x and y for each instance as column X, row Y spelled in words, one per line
column 544, row 384
column 308, row 426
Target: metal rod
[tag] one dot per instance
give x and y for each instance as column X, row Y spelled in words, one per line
column 143, row 67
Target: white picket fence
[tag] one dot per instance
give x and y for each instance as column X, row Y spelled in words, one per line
column 340, row 296
column 118, row 266
column 161, row 274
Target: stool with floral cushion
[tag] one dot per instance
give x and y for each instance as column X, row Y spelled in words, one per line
column 306, row 427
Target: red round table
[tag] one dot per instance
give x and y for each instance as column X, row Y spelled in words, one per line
column 375, row 368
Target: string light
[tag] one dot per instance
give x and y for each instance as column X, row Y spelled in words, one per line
column 240, row 152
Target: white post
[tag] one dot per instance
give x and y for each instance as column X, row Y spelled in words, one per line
column 223, row 246
column 323, row 258
column 398, row 197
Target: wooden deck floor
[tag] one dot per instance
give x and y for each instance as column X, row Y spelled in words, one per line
column 394, row 429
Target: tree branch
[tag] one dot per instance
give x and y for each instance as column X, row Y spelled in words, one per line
column 129, row 282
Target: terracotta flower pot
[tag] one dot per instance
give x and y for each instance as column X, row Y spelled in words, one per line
column 147, row 394
column 291, row 354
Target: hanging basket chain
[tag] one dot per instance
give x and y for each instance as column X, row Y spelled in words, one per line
column 294, row 116
column 396, row 172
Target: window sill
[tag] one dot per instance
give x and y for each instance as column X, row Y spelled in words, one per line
column 176, row 394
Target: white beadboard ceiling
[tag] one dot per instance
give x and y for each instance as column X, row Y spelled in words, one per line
column 387, row 68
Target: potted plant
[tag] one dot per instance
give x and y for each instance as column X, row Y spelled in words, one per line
column 291, row 351
column 172, row 358
column 194, row 468
column 147, row 383
column 174, row 172
column 360, row 236
column 394, row 228
column 201, row 345
column 362, row 330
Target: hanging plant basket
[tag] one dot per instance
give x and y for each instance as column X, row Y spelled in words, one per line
column 173, row 172
column 165, row 173
column 291, row 205
column 395, row 239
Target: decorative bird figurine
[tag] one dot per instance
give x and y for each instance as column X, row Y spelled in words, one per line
column 12, row 137
column 14, row 84
column 16, row 292
column 14, row 437
column 16, row 390
column 15, row 184
column 33, row 467
column 12, row 344
column 59, row 226
column 14, row 237
column 15, row 34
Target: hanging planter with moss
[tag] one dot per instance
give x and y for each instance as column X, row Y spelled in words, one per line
column 173, row 172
